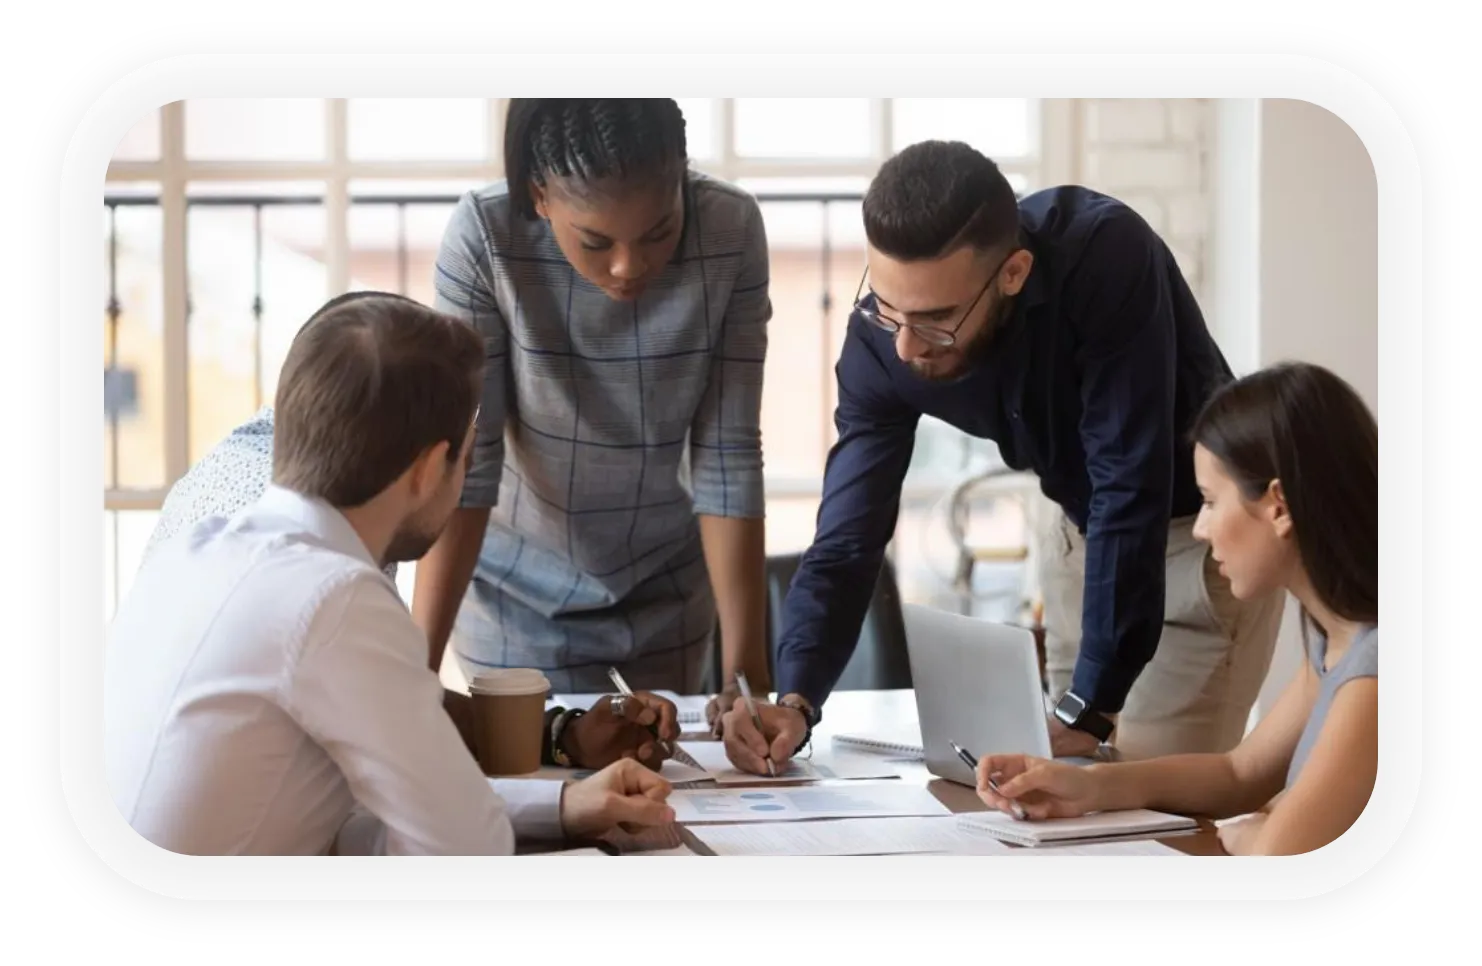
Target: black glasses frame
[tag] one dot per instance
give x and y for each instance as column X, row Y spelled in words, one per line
column 935, row 334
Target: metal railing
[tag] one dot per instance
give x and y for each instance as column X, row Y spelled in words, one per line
column 120, row 384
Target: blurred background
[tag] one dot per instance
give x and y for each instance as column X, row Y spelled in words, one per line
column 225, row 223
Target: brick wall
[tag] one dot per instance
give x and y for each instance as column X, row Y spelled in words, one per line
column 1154, row 155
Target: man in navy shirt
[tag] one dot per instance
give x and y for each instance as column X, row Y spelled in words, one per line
column 1060, row 328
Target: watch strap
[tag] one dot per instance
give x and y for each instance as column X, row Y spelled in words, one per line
column 1091, row 722
column 1094, row 724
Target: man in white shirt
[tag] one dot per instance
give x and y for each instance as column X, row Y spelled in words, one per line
column 266, row 690
column 236, row 472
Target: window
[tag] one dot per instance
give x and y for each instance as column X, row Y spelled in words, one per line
column 125, row 534
column 803, row 127
column 255, row 271
column 272, row 130
column 1000, row 127
column 395, row 230
column 418, row 129
column 699, row 128
column 134, row 413
column 264, row 208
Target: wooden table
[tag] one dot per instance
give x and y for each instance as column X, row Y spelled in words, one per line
column 892, row 711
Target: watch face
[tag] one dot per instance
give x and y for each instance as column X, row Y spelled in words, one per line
column 1069, row 709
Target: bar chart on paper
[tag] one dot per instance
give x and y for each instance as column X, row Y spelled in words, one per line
column 857, row 799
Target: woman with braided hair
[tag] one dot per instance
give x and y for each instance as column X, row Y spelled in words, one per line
column 613, row 507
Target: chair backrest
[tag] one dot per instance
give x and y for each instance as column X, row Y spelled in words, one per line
column 879, row 661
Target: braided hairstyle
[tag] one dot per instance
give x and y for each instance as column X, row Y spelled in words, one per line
column 586, row 141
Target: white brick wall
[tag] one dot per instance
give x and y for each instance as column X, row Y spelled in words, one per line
column 1154, row 155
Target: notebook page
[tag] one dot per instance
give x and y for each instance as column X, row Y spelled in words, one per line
column 711, row 756
column 1099, row 825
column 903, row 741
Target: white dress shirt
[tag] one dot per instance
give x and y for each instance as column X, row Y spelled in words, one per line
column 267, row 692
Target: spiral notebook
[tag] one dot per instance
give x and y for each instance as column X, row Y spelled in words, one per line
column 1097, row 827
column 902, row 744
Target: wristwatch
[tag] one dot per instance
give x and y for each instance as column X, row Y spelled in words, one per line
column 1073, row 712
column 811, row 715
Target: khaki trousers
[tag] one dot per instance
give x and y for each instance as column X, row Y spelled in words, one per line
column 1196, row 694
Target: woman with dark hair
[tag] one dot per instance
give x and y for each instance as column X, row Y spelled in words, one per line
column 613, row 504
column 1288, row 463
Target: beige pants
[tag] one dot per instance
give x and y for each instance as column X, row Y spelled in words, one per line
column 1195, row 695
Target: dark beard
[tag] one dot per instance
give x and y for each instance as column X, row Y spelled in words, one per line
column 408, row 543
column 970, row 356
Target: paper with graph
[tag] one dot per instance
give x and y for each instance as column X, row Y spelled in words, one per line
column 778, row 804
column 711, row 756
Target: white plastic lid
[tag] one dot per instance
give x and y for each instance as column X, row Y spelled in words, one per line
column 514, row 680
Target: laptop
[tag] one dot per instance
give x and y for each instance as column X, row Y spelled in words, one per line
column 977, row 683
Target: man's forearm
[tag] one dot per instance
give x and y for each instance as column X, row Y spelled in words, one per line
column 443, row 575
column 736, row 556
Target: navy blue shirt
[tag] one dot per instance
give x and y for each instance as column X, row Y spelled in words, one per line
column 1092, row 384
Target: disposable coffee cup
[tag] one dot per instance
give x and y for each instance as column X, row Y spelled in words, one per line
column 508, row 713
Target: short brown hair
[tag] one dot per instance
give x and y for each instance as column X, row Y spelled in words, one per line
column 371, row 382
column 936, row 196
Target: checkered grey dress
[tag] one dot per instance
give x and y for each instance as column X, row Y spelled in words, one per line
column 605, row 428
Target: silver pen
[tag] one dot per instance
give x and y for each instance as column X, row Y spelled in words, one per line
column 756, row 719
column 971, row 762
column 627, row 692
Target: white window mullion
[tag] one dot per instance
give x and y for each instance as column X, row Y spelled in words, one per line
column 257, row 171
column 498, row 107
column 337, row 198
column 882, row 122
column 1059, row 148
column 174, row 266
column 725, row 121
column 135, row 171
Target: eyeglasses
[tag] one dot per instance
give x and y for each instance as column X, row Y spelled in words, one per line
column 935, row 334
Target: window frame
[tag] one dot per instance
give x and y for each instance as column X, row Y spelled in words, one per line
column 1052, row 134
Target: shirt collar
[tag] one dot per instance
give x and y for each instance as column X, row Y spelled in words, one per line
column 318, row 518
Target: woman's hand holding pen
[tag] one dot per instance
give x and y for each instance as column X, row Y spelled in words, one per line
column 1042, row 788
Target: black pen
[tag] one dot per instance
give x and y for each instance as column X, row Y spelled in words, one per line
column 971, row 762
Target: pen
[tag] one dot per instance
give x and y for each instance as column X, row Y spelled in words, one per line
column 971, row 762
column 627, row 692
column 756, row 719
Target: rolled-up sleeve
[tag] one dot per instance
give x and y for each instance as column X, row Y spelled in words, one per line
column 464, row 285
column 726, row 435
column 1126, row 365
